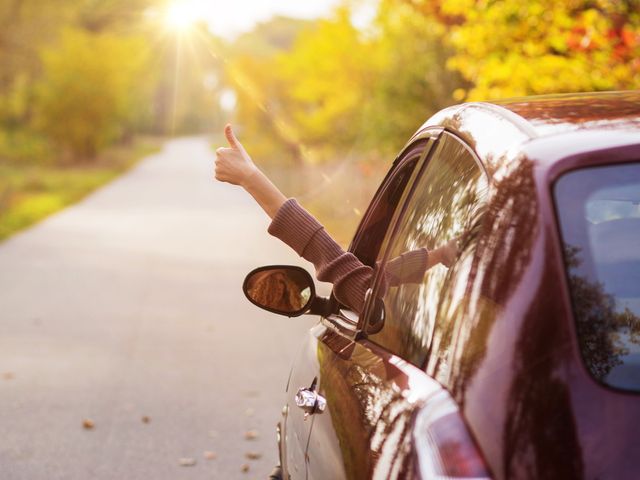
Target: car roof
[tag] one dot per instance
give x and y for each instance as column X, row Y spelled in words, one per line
column 498, row 131
column 554, row 114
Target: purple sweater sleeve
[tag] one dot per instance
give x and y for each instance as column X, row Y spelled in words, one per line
column 408, row 267
column 350, row 277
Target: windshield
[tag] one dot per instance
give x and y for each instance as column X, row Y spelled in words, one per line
column 599, row 212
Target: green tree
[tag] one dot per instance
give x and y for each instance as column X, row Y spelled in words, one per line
column 25, row 25
column 89, row 89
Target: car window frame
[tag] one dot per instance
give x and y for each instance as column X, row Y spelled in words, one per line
column 388, row 246
column 346, row 321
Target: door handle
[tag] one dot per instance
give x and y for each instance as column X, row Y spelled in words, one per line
column 310, row 401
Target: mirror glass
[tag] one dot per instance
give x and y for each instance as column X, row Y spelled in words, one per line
column 284, row 289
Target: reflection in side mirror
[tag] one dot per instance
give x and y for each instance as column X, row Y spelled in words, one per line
column 282, row 289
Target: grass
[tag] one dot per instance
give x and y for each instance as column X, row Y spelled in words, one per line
column 29, row 193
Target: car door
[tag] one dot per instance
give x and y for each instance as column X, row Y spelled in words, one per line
column 373, row 379
column 338, row 331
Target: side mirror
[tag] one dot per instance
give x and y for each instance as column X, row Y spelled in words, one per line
column 282, row 289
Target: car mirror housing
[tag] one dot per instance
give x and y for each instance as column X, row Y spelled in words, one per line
column 283, row 289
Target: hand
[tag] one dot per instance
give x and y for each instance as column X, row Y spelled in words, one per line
column 233, row 165
column 449, row 252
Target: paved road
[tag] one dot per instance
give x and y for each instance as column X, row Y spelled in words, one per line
column 129, row 305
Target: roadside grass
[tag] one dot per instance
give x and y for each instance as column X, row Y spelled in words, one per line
column 29, row 193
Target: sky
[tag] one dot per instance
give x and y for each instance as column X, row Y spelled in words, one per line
column 230, row 17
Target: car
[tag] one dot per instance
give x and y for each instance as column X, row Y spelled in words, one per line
column 519, row 360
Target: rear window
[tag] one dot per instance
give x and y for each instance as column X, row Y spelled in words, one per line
column 599, row 212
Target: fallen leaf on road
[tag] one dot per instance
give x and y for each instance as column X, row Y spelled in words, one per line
column 88, row 424
column 145, row 419
column 8, row 376
column 187, row 462
column 244, row 468
column 210, row 455
column 251, row 434
column 253, row 455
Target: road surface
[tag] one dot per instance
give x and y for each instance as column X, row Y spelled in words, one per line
column 126, row 310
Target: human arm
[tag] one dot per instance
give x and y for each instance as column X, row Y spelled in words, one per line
column 296, row 227
column 234, row 165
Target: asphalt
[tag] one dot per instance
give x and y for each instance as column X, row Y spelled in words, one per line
column 126, row 310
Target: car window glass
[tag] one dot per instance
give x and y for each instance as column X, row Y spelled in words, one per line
column 599, row 212
column 446, row 200
column 377, row 219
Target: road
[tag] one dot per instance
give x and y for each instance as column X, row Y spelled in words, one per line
column 129, row 305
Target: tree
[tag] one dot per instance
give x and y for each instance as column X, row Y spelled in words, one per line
column 25, row 25
column 261, row 95
column 511, row 48
column 339, row 88
column 89, row 87
column 412, row 81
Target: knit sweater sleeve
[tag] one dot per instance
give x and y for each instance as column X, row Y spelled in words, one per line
column 408, row 267
column 350, row 277
column 301, row 231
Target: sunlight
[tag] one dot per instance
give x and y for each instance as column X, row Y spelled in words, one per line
column 181, row 15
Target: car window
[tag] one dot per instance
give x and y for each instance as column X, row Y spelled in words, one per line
column 378, row 217
column 599, row 213
column 446, row 200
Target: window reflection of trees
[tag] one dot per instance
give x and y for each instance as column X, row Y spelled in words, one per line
column 540, row 436
column 493, row 258
column 602, row 330
column 446, row 198
column 599, row 219
column 492, row 262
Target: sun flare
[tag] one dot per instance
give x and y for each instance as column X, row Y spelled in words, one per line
column 181, row 15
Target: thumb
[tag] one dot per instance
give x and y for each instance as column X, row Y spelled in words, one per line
column 231, row 138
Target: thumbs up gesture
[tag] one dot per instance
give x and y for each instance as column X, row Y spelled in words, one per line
column 233, row 164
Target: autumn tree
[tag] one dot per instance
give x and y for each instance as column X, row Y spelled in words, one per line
column 89, row 89
column 25, row 25
column 512, row 48
column 412, row 80
column 262, row 108
column 340, row 88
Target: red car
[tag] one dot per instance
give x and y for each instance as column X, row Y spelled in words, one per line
column 519, row 360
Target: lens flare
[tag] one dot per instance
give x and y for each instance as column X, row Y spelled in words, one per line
column 180, row 16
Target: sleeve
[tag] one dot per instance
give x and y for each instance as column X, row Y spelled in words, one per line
column 350, row 277
column 303, row 233
column 409, row 267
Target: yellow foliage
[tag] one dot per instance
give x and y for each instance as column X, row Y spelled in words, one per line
column 90, row 86
column 512, row 48
column 301, row 102
column 338, row 89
